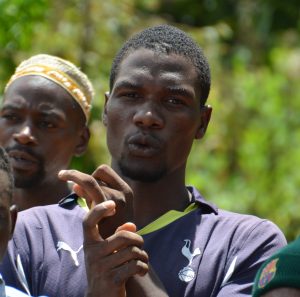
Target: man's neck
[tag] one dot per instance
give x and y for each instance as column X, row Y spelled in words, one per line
column 40, row 195
column 151, row 200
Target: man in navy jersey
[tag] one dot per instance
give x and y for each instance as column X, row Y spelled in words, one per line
column 156, row 108
column 8, row 216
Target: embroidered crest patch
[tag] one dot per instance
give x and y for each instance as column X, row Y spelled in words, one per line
column 187, row 274
column 267, row 274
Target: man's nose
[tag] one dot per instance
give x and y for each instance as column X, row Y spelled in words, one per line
column 25, row 136
column 148, row 117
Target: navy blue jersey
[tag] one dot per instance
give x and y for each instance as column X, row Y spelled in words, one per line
column 47, row 245
column 201, row 251
column 209, row 252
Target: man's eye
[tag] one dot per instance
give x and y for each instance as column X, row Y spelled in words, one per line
column 130, row 95
column 9, row 116
column 175, row 101
column 46, row 124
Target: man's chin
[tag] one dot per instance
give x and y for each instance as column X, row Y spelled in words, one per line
column 141, row 175
column 26, row 183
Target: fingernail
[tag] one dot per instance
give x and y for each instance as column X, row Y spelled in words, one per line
column 108, row 204
column 61, row 172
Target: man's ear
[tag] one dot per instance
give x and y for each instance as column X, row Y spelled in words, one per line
column 83, row 141
column 104, row 114
column 205, row 115
column 13, row 216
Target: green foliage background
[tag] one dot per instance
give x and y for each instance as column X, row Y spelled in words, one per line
column 249, row 160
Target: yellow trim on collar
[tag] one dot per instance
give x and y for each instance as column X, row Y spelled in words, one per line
column 167, row 219
column 82, row 203
column 159, row 223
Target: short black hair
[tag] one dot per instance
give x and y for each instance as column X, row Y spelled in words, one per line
column 6, row 168
column 167, row 39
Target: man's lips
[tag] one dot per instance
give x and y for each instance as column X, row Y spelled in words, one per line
column 143, row 145
column 22, row 160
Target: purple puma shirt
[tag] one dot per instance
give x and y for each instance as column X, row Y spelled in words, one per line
column 207, row 252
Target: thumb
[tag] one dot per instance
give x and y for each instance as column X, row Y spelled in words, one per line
column 93, row 217
column 127, row 227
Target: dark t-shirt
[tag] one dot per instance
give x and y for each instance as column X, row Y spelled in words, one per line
column 47, row 242
column 205, row 252
column 210, row 252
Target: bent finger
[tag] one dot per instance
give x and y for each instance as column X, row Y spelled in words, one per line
column 91, row 220
column 123, row 239
column 107, row 175
column 122, row 273
column 128, row 254
column 85, row 184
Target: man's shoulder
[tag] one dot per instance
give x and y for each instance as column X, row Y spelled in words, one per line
column 237, row 224
column 241, row 218
column 54, row 216
column 39, row 228
column 51, row 212
column 246, row 223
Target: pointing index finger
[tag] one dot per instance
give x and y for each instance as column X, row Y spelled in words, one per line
column 89, row 186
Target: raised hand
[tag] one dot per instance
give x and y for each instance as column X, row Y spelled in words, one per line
column 113, row 255
column 104, row 184
column 112, row 261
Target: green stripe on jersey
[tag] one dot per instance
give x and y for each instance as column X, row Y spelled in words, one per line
column 166, row 219
column 82, row 203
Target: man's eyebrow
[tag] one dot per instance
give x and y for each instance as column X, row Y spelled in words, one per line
column 55, row 113
column 10, row 106
column 51, row 112
column 126, row 84
column 181, row 91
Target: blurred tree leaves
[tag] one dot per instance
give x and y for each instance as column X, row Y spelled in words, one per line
column 19, row 19
column 249, row 160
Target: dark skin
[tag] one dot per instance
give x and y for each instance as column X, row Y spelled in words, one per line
column 153, row 114
column 283, row 292
column 42, row 128
column 114, row 257
column 8, row 213
column 118, row 257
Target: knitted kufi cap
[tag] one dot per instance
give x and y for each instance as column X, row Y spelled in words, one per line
column 281, row 270
column 62, row 72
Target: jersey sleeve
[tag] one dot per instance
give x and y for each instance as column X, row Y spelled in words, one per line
column 252, row 248
column 16, row 266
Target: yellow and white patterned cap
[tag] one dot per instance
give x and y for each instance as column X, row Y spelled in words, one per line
column 63, row 73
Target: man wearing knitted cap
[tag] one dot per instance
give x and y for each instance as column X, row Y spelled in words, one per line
column 43, row 124
column 279, row 276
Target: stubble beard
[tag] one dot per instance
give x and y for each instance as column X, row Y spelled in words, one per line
column 22, row 182
column 140, row 173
